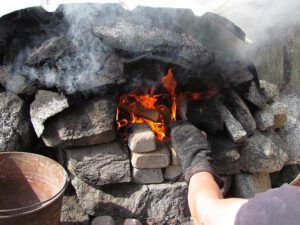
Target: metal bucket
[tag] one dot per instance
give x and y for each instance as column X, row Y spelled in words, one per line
column 31, row 189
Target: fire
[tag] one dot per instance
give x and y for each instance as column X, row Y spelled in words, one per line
column 156, row 110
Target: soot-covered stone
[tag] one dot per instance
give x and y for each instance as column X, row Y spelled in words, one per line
column 134, row 40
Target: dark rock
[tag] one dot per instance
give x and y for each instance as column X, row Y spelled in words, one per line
column 72, row 213
column 87, row 123
column 226, row 39
column 285, row 176
column 241, row 112
column 151, row 202
column 45, row 105
column 247, row 185
column 205, row 115
column 100, row 164
column 15, row 132
column 260, row 154
column 136, row 40
column 50, row 49
column 225, row 156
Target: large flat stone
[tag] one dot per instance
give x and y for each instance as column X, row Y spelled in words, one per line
column 15, row 132
column 135, row 40
column 45, row 105
column 150, row 202
column 159, row 158
column 100, row 164
column 88, row 123
column 247, row 185
column 260, row 154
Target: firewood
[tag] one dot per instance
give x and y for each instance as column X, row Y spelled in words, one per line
column 141, row 111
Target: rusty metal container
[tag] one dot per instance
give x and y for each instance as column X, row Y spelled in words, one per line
column 31, row 189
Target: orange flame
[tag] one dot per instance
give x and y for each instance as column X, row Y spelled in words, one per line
column 156, row 110
column 145, row 108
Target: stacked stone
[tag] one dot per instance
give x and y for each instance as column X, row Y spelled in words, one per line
column 148, row 155
column 265, row 151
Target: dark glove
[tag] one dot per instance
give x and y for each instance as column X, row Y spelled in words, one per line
column 192, row 149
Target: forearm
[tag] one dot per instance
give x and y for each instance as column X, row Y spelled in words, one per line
column 206, row 202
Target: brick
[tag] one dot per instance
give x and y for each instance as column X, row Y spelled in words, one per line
column 159, row 158
column 147, row 176
column 141, row 138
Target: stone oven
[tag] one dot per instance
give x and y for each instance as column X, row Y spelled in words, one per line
column 97, row 87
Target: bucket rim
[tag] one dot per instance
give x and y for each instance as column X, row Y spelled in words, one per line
column 7, row 213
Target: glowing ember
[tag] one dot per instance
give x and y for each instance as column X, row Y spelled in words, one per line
column 156, row 110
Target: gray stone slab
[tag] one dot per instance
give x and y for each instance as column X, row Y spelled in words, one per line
column 147, row 176
column 140, row 138
column 159, row 158
column 88, row 123
column 100, row 164
column 136, row 40
column 247, row 185
column 15, row 132
column 46, row 105
column 151, row 202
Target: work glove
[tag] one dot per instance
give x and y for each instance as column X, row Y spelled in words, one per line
column 192, row 149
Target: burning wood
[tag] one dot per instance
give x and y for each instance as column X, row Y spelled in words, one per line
column 141, row 111
column 148, row 108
